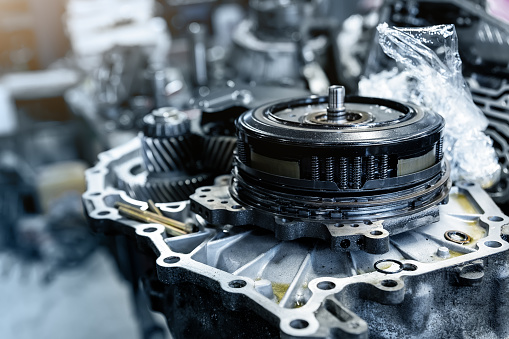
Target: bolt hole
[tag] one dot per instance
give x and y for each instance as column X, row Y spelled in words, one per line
column 205, row 190
column 224, row 202
column 376, row 232
column 94, row 194
column 326, row 285
column 492, row 244
column 202, row 196
column 389, row 283
column 299, row 324
column 338, row 225
column 171, row 260
column 236, row 207
column 150, row 229
column 237, row 283
column 409, row 267
column 210, row 200
column 468, row 184
column 102, row 213
column 355, row 225
column 367, row 222
column 345, row 243
column 495, row 218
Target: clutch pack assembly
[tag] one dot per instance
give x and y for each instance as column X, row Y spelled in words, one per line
column 308, row 167
column 337, row 220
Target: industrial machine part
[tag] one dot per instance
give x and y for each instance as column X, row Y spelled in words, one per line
column 276, row 45
column 181, row 152
column 305, row 166
column 235, row 279
column 223, row 105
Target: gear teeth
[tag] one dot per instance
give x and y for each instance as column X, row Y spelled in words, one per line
column 218, row 153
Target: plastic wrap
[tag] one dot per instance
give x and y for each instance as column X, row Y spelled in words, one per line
column 430, row 76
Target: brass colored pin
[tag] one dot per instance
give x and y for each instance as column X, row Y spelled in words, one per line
column 148, row 219
column 165, row 221
column 152, row 207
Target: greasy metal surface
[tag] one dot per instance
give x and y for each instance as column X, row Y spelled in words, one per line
column 307, row 290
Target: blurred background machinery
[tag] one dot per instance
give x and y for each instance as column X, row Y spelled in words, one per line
column 153, row 89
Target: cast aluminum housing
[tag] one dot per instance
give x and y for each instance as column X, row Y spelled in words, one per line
column 434, row 281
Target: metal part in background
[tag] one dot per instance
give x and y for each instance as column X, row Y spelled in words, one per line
column 296, row 289
column 224, row 104
column 276, row 45
column 491, row 94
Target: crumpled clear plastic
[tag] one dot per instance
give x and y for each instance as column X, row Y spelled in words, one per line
column 432, row 78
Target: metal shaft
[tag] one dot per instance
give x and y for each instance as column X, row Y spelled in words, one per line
column 146, row 216
column 152, row 207
column 336, row 110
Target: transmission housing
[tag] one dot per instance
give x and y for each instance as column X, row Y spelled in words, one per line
column 338, row 220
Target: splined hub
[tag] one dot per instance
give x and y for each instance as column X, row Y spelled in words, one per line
column 327, row 158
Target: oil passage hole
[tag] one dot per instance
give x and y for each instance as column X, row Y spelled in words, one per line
column 150, row 229
column 492, row 244
column 171, row 260
column 237, row 283
column 389, row 283
column 326, row 285
column 345, row 243
column 299, row 324
column 495, row 218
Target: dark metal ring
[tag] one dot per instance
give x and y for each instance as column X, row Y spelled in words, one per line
column 399, row 263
